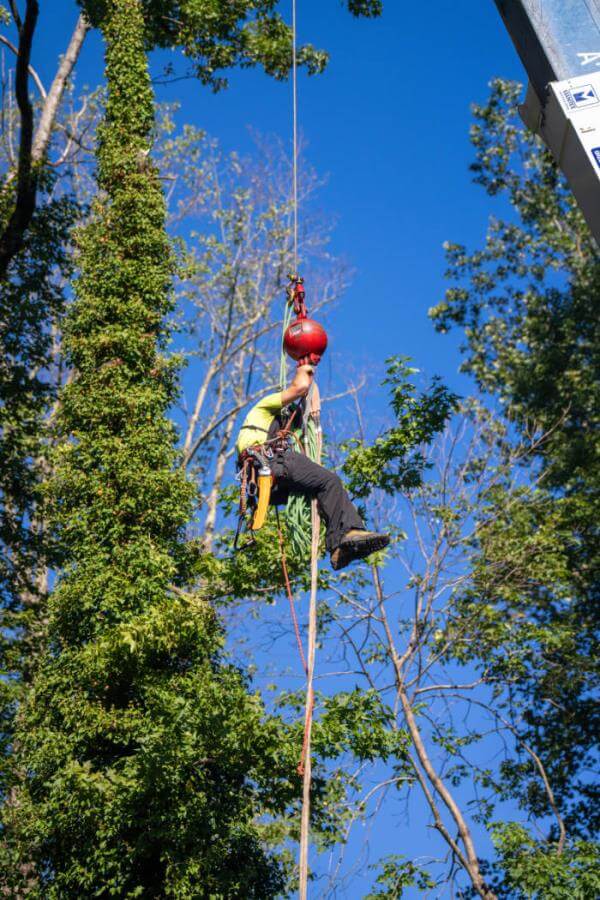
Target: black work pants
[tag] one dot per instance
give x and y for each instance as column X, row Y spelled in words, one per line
column 297, row 474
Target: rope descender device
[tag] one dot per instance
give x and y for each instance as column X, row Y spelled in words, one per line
column 304, row 339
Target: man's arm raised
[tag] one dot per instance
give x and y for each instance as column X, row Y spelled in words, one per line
column 300, row 385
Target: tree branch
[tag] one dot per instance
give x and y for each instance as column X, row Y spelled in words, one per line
column 33, row 147
column 38, row 81
column 11, row 240
column 44, row 129
column 470, row 856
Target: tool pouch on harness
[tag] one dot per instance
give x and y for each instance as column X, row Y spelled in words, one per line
column 265, row 482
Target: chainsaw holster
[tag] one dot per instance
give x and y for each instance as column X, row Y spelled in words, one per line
column 265, row 482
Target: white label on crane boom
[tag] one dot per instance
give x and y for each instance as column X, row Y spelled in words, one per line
column 569, row 123
column 585, row 95
column 559, row 44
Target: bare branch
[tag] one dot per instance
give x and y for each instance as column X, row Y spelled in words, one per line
column 11, row 239
column 44, row 129
column 33, row 147
column 38, row 81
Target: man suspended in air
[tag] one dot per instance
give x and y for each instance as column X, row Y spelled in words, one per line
column 264, row 436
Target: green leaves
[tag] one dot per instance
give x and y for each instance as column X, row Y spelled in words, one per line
column 396, row 874
column 145, row 759
column 394, row 462
column 357, row 722
column 529, row 300
column 538, row 871
column 217, row 36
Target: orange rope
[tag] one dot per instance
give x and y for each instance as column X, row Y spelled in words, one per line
column 310, row 700
column 301, row 768
column 288, row 588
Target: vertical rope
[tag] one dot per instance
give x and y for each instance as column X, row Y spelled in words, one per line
column 310, row 700
column 295, row 137
column 288, row 589
column 306, row 762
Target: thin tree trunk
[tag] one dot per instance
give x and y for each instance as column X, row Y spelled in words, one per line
column 470, row 860
column 440, row 788
column 11, row 240
column 52, row 102
column 213, row 497
column 33, row 147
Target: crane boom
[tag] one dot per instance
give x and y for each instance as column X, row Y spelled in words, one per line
column 558, row 42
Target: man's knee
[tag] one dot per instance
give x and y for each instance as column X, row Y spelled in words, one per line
column 333, row 481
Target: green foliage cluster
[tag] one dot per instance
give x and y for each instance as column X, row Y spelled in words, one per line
column 215, row 36
column 31, row 304
column 358, row 722
column 394, row 462
column 144, row 759
column 528, row 303
column 533, row 871
column 396, row 874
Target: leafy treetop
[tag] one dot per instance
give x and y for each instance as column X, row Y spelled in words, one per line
column 215, row 36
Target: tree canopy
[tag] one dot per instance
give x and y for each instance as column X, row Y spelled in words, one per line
column 139, row 757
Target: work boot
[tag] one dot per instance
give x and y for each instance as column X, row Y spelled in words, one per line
column 357, row 544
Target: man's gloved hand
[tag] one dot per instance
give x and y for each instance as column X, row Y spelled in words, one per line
column 307, row 368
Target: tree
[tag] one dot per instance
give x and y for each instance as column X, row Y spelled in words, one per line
column 20, row 189
column 499, row 657
column 31, row 307
column 529, row 303
column 497, row 660
column 36, row 220
column 438, row 665
column 146, row 758
column 263, row 38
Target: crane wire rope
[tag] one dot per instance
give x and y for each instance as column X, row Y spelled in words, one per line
column 295, row 137
column 295, row 514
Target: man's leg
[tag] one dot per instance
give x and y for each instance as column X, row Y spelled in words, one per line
column 296, row 473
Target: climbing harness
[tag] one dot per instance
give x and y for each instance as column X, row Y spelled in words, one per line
column 256, row 480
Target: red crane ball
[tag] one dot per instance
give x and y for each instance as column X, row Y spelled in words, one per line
column 305, row 340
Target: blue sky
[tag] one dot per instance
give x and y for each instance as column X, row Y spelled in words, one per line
column 387, row 124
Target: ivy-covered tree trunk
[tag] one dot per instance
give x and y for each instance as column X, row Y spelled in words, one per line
column 147, row 760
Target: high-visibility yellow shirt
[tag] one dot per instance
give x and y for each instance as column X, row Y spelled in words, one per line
column 257, row 422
